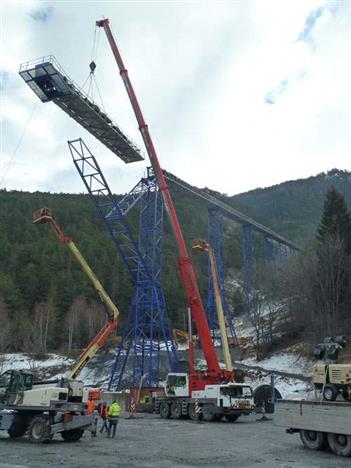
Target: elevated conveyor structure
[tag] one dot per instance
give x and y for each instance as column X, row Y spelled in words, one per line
column 49, row 82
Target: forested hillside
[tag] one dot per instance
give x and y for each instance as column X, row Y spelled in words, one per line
column 294, row 208
column 43, row 292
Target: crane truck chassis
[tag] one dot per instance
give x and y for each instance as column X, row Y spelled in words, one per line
column 230, row 400
column 320, row 423
column 40, row 409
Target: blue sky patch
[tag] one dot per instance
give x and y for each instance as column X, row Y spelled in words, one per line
column 311, row 20
column 42, row 14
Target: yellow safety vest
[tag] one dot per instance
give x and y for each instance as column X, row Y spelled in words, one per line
column 115, row 410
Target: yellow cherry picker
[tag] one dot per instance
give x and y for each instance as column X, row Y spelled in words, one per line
column 44, row 215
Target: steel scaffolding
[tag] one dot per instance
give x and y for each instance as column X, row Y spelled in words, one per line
column 147, row 327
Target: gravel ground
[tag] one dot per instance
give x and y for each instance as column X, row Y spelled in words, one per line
column 149, row 441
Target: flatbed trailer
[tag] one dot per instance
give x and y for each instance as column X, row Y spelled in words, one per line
column 321, row 424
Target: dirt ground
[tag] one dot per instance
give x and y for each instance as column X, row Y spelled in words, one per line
column 149, row 441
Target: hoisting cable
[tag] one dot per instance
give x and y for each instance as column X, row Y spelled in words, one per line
column 91, row 77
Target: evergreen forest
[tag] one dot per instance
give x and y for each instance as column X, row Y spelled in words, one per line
column 47, row 303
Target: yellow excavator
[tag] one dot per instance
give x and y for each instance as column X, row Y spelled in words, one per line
column 44, row 215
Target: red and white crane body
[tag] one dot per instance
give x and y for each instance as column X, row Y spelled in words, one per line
column 214, row 374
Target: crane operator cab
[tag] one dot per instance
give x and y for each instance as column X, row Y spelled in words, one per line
column 177, row 385
column 12, row 385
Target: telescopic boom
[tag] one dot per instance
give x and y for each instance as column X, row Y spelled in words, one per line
column 185, row 265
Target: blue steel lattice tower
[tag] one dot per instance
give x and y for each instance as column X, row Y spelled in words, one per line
column 147, row 326
column 215, row 239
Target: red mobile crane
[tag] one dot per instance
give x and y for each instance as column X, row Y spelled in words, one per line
column 214, row 376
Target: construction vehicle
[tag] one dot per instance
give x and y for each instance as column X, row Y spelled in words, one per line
column 330, row 377
column 214, row 389
column 57, row 406
column 332, row 380
column 319, row 423
column 40, row 408
column 44, row 215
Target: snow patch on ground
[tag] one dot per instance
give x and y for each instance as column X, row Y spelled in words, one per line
column 19, row 361
column 284, row 362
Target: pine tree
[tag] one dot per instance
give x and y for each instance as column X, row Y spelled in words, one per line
column 336, row 220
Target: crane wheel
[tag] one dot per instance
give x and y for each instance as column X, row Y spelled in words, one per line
column 313, row 440
column 39, row 430
column 330, row 392
column 192, row 413
column 165, row 410
column 208, row 414
column 340, row 444
column 73, row 435
column 347, row 394
column 176, row 410
column 231, row 417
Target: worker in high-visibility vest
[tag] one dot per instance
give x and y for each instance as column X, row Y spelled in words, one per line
column 103, row 413
column 113, row 417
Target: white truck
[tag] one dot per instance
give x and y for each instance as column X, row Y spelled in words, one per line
column 230, row 400
column 320, row 423
column 41, row 409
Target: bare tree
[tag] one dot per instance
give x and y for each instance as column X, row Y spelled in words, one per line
column 257, row 320
column 329, row 270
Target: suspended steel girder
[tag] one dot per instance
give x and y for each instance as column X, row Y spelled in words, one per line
column 50, row 83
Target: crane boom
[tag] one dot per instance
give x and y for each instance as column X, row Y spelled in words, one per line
column 186, row 269
column 44, row 215
column 203, row 246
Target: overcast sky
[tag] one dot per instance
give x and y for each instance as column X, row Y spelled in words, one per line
column 237, row 95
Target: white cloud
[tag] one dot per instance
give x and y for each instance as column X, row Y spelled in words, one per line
column 202, row 72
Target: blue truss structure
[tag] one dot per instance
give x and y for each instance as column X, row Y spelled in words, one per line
column 147, row 326
column 215, row 239
column 249, row 263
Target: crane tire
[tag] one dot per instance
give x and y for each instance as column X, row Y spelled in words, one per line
column 313, row 440
column 340, row 444
column 231, row 417
column 176, row 410
column 207, row 413
column 165, row 410
column 73, row 435
column 192, row 413
column 39, row 430
column 330, row 392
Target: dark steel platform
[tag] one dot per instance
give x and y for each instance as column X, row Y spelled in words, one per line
column 50, row 83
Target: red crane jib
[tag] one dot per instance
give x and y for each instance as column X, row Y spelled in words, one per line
column 214, row 373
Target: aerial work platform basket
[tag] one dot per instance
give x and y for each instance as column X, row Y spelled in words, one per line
column 50, row 83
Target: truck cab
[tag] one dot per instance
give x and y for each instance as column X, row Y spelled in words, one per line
column 232, row 395
column 177, row 385
column 12, row 385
